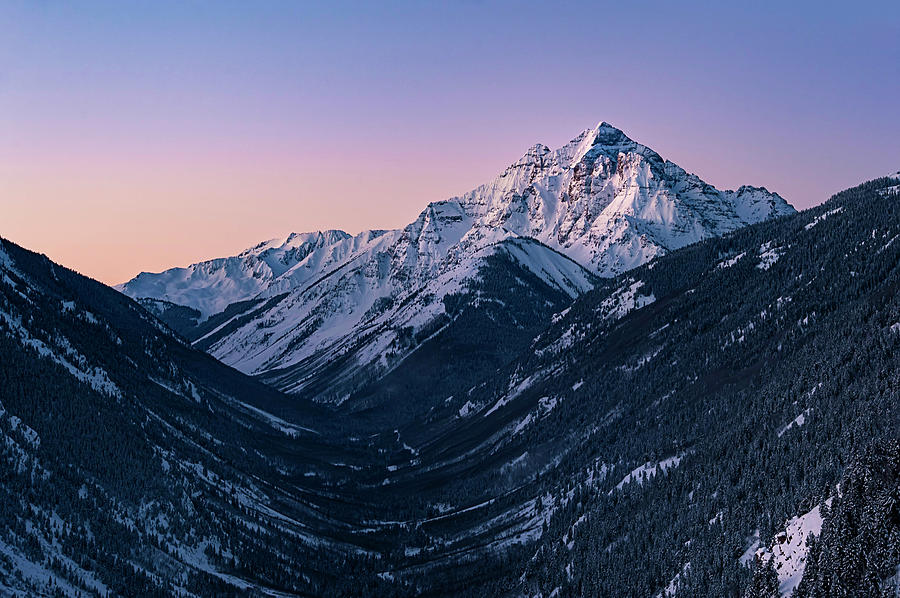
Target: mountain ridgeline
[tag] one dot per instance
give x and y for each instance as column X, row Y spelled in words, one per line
column 596, row 207
column 720, row 419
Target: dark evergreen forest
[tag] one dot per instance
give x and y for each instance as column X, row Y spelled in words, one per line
column 637, row 442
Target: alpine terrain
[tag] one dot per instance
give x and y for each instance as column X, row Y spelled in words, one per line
column 322, row 314
column 594, row 376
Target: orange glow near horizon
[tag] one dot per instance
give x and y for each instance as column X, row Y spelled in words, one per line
column 113, row 219
column 145, row 136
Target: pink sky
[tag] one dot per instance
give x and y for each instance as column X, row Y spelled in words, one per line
column 161, row 135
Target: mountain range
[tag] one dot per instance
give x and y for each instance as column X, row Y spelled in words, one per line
column 286, row 308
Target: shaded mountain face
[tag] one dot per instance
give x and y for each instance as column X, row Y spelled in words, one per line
column 598, row 206
column 485, row 326
column 181, row 319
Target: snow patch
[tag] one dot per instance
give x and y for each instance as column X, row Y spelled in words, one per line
column 514, row 392
column 790, row 551
column 823, row 217
column 747, row 557
column 648, row 470
column 768, row 255
column 672, row 586
column 730, row 261
column 625, row 300
column 796, row 422
column 467, row 409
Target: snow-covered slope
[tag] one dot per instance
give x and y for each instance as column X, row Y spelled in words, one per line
column 790, row 549
column 603, row 201
column 213, row 285
column 610, row 203
column 373, row 308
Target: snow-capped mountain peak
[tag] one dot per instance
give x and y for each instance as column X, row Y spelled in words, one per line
column 611, row 203
column 603, row 201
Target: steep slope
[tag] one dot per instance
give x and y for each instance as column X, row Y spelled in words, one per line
column 135, row 465
column 763, row 362
column 611, row 203
column 486, row 324
column 604, row 201
column 669, row 422
column 352, row 328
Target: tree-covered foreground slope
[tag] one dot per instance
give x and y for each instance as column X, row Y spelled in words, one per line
column 678, row 427
column 131, row 464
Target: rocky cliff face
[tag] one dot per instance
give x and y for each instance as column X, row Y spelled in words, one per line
column 611, row 203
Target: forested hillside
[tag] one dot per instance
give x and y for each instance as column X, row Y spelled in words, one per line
column 686, row 429
column 134, row 465
column 667, row 426
column 729, row 404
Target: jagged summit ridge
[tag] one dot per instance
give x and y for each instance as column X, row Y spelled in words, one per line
column 603, row 199
column 611, row 203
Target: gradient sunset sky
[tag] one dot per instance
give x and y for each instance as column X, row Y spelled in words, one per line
column 144, row 135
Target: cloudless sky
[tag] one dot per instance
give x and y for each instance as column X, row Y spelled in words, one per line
column 144, row 135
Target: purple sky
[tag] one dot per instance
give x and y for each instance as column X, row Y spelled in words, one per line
column 139, row 136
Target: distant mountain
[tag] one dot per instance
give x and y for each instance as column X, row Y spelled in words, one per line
column 610, row 203
column 600, row 205
column 209, row 287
